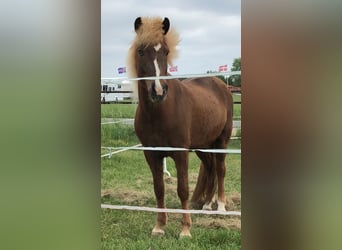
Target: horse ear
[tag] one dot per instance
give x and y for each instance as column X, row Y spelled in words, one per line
column 137, row 23
column 166, row 25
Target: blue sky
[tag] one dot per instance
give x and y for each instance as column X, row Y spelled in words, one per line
column 210, row 32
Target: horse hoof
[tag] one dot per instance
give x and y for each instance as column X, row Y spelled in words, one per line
column 207, row 206
column 184, row 235
column 158, row 232
column 221, row 206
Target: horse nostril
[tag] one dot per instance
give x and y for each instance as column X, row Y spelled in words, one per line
column 165, row 88
column 155, row 97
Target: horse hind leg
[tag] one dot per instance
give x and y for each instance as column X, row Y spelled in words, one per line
column 206, row 182
column 208, row 205
column 221, row 143
column 221, row 172
column 211, row 185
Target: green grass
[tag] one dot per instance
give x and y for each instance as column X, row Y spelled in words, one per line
column 118, row 110
column 136, row 235
column 128, row 110
column 127, row 180
column 237, row 107
column 117, row 135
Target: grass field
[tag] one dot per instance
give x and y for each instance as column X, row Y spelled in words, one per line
column 126, row 180
column 128, row 110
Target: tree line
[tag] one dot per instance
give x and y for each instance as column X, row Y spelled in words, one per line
column 234, row 80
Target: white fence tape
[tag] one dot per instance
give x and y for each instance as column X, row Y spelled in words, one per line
column 137, row 147
column 228, row 73
column 170, row 210
column 122, row 149
column 114, row 122
column 130, row 121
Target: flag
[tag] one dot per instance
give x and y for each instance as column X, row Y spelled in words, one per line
column 122, row 70
column 223, row 68
column 173, row 69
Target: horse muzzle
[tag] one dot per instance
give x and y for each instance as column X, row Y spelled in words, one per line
column 158, row 94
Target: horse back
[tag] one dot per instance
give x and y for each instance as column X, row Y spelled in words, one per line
column 210, row 89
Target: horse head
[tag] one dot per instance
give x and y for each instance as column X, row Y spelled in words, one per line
column 151, row 55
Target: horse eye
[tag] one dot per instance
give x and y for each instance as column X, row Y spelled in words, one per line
column 140, row 52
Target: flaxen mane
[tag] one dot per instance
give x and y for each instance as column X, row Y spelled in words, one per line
column 151, row 33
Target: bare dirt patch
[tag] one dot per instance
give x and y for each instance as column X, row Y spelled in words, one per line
column 214, row 223
column 171, row 186
column 233, row 203
column 128, row 196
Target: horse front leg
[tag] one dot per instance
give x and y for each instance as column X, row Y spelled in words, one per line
column 155, row 162
column 181, row 161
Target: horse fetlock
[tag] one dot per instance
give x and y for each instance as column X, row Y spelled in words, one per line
column 207, row 206
column 221, row 206
column 185, row 233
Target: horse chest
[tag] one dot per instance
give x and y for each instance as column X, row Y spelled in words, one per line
column 159, row 132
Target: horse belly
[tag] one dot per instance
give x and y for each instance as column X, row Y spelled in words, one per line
column 207, row 126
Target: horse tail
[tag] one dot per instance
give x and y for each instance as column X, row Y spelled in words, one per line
column 198, row 197
column 206, row 182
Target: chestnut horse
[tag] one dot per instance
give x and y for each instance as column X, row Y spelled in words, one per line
column 194, row 113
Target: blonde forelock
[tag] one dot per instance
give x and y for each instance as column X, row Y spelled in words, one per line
column 151, row 33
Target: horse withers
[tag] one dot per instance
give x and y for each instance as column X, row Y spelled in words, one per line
column 194, row 113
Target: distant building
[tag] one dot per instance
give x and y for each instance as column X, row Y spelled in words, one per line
column 234, row 89
column 116, row 91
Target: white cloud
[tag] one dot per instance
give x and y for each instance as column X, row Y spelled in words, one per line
column 210, row 31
